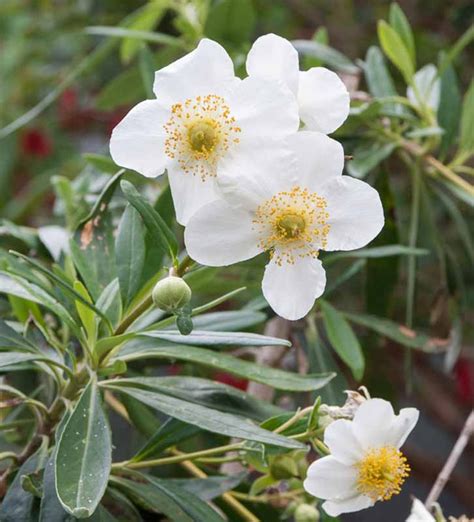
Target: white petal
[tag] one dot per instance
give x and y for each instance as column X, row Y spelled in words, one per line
column 320, row 158
column 137, row 142
column 419, row 513
column 262, row 108
column 55, row 239
column 403, row 425
column 349, row 505
column 355, row 213
column 206, row 70
column 190, row 193
column 256, row 170
column 274, row 58
column 373, row 422
column 329, row 478
column 428, row 87
column 292, row 289
column 339, row 437
column 219, row 235
column 323, row 100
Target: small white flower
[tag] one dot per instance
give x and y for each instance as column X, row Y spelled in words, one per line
column 428, row 87
column 365, row 464
column 291, row 206
column 203, row 116
column 419, row 513
column 322, row 96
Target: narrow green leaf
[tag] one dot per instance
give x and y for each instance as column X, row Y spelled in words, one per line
column 228, row 321
column 466, row 141
column 204, row 418
column 100, row 162
column 110, row 303
column 382, row 251
column 326, row 54
column 205, row 338
column 343, row 339
column 368, row 156
column 400, row 23
column 145, row 36
column 210, row 487
column 377, row 75
column 161, row 496
column 454, row 51
column 11, row 339
column 130, row 253
column 84, row 455
column 282, row 380
column 8, row 359
column 397, row 332
column 231, row 21
column 394, row 47
column 147, row 69
column 87, row 315
column 449, row 110
column 153, row 221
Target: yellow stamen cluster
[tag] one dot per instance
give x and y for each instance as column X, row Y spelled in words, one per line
column 292, row 224
column 199, row 132
column 382, row 473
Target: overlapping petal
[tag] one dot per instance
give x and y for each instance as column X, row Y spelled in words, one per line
column 329, row 478
column 208, row 69
column 342, row 442
column 334, row 508
column 291, row 289
column 323, row 100
column 137, row 142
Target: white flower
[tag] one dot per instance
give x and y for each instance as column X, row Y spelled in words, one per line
column 428, row 87
column 365, row 464
column 292, row 207
column 419, row 513
column 203, row 116
column 322, row 97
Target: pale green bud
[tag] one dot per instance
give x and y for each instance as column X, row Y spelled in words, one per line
column 306, row 513
column 171, row 294
column 283, row 467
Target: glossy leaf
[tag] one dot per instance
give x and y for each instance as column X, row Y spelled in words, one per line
column 84, row 455
column 343, row 339
column 228, row 321
column 282, row 380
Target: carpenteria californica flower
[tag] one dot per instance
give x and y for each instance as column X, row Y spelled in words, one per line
column 291, row 207
column 203, row 116
column 366, row 464
column 419, row 513
column 322, row 97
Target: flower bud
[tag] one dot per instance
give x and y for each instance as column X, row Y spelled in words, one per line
column 283, row 467
column 171, row 294
column 306, row 513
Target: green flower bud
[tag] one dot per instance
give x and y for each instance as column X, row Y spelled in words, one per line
column 283, row 467
column 171, row 294
column 306, row 513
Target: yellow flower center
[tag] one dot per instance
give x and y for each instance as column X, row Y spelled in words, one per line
column 199, row 132
column 292, row 224
column 382, row 473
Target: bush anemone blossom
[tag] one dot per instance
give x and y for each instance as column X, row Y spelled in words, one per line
column 366, row 464
column 322, row 97
column 203, row 116
column 291, row 207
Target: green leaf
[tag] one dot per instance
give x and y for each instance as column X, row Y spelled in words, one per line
column 400, row 23
column 282, row 380
column 208, row 393
column 125, row 89
column 18, row 504
column 368, row 156
column 343, row 339
column 130, row 253
column 110, row 303
column 382, row 251
column 11, row 339
column 153, row 221
column 170, row 433
column 144, row 36
column 206, row 338
column 161, row 496
column 454, row 51
column 147, row 70
column 231, row 21
column 210, row 487
column 87, row 316
column 449, row 110
column 466, row 142
column 100, row 162
column 394, row 47
column 397, row 332
column 51, row 509
column 320, row 36
column 326, row 54
column 228, row 321
column 204, row 418
column 8, row 359
column 84, row 455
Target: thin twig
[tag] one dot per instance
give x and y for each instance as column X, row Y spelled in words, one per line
column 450, row 464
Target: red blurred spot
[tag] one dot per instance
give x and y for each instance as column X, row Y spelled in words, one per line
column 231, row 380
column 464, row 372
column 35, row 142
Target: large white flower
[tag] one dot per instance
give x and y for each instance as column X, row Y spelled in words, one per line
column 202, row 117
column 322, row 97
column 366, row 464
column 419, row 513
column 292, row 207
